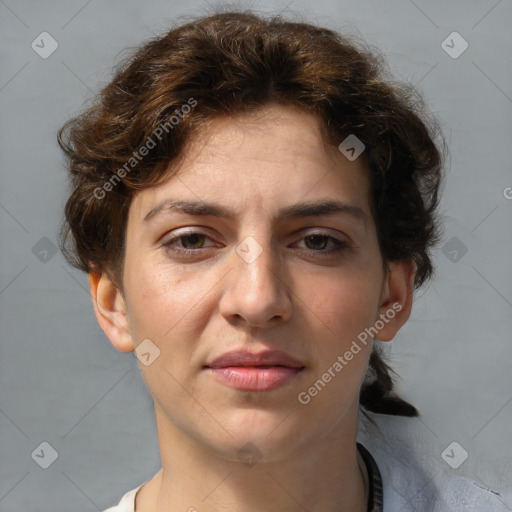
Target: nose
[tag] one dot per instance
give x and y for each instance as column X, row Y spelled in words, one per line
column 256, row 288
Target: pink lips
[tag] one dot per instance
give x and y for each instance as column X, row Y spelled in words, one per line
column 255, row 372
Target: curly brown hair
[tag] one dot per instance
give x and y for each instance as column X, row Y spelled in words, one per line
column 234, row 62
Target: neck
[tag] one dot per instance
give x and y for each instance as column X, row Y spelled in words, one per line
column 325, row 475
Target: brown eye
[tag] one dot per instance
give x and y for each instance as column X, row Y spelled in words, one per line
column 318, row 243
column 186, row 243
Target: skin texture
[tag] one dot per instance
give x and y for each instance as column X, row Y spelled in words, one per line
column 196, row 307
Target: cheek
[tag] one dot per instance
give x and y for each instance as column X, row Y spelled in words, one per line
column 344, row 303
column 340, row 309
column 166, row 307
column 172, row 307
column 162, row 301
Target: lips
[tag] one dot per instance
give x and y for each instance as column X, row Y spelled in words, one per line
column 263, row 371
column 245, row 358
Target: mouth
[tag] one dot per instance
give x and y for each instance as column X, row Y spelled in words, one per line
column 255, row 372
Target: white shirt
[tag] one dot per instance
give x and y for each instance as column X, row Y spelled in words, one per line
column 412, row 479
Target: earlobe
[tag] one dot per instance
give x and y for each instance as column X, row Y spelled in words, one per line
column 396, row 300
column 110, row 310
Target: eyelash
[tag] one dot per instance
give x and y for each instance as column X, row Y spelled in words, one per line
column 339, row 245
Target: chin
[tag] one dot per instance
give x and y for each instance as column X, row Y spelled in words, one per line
column 268, row 436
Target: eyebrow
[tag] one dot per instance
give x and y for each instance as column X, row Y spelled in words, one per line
column 299, row 210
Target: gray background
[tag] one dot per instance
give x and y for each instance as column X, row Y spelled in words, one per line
column 61, row 380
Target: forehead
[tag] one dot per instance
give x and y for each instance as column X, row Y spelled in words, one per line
column 268, row 157
column 269, row 134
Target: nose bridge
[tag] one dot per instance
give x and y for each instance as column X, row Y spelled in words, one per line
column 258, row 263
column 256, row 290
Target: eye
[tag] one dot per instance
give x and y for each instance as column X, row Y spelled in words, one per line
column 319, row 241
column 192, row 242
column 192, row 239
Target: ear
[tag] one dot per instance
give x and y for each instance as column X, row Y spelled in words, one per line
column 396, row 299
column 110, row 310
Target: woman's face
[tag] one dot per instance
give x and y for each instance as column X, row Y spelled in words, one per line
column 272, row 274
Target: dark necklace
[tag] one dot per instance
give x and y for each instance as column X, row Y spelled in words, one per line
column 375, row 492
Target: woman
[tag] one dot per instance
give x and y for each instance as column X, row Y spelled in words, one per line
column 254, row 205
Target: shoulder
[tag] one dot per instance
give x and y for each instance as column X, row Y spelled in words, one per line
column 444, row 492
column 127, row 503
column 414, row 477
column 457, row 493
